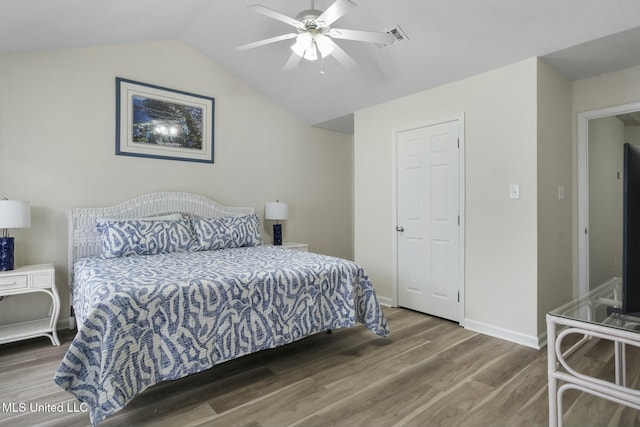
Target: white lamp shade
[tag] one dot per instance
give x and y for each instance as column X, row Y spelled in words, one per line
column 15, row 214
column 324, row 44
column 276, row 211
column 303, row 42
column 310, row 46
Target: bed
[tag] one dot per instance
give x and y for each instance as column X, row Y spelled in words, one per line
column 169, row 284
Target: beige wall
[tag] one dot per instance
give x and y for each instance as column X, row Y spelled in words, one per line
column 555, row 173
column 607, row 90
column 632, row 134
column 500, row 134
column 57, row 127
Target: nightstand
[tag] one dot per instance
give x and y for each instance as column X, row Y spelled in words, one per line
column 302, row 247
column 24, row 280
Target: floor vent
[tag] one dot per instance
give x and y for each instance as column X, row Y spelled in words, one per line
column 399, row 37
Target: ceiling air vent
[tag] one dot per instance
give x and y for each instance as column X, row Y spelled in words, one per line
column 399, row 37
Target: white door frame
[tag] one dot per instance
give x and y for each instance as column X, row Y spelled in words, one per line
column 394, row 210
column 583, row 185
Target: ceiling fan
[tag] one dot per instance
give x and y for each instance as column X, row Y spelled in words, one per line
column 314, row 34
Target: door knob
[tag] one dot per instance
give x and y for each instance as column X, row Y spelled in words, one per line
column 400, row 228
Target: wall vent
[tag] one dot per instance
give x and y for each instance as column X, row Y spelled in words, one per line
column 399, row 37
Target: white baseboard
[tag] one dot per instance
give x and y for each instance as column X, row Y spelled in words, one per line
column 64, row 324
column 542, row 339
column 505, row 334
column 486, row 329
column 385, row 301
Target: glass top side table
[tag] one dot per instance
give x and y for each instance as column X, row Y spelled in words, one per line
column 589, row 318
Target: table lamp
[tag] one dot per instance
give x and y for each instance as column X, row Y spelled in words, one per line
column 13, row 214
column 278, row 211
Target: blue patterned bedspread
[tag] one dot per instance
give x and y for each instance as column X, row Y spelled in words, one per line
column 147, row 319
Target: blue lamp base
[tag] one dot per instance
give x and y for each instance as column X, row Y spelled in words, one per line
column 6, row 253
column 277, row 234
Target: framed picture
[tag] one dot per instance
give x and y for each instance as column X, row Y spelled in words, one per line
column 153, row 121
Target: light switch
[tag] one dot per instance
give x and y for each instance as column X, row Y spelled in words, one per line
column 515, row 191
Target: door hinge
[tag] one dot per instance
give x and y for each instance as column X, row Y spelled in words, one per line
column 458, row 219
column 458, row 296
column 458, row 142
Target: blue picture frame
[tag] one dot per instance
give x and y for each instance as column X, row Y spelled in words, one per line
column 162, row 123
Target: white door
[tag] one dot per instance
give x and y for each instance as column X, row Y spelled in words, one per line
column 429, row 220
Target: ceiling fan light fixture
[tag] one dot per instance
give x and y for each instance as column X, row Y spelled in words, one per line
column 311, row 54
column 324, row 45
column 311, row 45
column 302, row 44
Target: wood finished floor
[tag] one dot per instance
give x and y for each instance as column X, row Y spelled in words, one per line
column 428, row 372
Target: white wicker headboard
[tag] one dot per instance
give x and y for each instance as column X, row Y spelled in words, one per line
column 84, row 239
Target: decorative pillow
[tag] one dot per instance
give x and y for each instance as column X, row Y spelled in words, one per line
column 227, row 232
column 127, row 237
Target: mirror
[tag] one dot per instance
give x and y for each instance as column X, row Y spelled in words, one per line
column 600, row 171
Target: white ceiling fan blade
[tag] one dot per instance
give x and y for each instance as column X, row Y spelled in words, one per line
column 293, row 61
column 362, row 36
column 275, row 15
column 267, row 41
column 334, row 12
column 341, row 56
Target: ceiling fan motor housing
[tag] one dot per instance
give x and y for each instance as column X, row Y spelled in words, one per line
column 310, row 22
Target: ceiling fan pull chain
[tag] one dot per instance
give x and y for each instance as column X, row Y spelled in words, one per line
column 321, row 65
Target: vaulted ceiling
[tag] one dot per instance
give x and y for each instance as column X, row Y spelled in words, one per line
column 447, row 40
